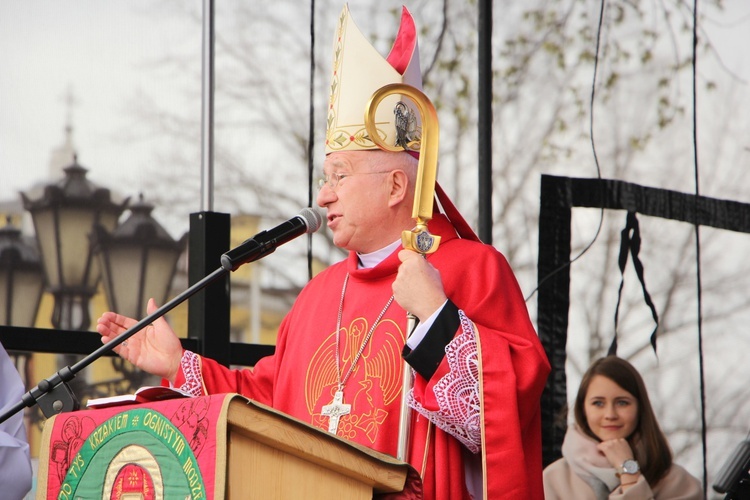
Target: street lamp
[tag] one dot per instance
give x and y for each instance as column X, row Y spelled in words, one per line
column 138, row 261
column 64, row 216
column 21, row 278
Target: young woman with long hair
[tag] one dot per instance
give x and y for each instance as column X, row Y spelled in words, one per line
column 616, row 448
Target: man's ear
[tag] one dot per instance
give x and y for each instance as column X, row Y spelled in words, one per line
column 399, row 187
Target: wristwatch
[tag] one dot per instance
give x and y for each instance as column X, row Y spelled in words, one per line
column 629, row 466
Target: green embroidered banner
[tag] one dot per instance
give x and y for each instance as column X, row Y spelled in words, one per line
column 161, row 450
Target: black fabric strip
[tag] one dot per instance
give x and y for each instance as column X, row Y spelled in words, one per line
column 430, row 352
column 631, row 243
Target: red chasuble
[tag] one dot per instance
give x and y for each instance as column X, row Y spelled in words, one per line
column 511, row 369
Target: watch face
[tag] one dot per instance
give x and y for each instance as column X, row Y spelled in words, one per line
column 630, row 467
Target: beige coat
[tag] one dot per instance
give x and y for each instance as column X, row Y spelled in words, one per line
column 560, row 482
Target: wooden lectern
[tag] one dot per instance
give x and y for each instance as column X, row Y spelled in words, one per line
column 221, row 446
column 270, row 455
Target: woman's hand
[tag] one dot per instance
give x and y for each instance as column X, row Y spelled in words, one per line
column 617, row 451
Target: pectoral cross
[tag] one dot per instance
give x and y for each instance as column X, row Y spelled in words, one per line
column 335, row 410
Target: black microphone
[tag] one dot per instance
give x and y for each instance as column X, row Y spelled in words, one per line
column 734, row 470
column 265, row 242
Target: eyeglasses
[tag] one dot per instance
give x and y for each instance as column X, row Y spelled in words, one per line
column 334, row 178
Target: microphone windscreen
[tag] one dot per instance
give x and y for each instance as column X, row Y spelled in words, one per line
column 312, row 219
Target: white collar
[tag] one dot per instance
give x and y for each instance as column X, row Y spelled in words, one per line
column 372, row 259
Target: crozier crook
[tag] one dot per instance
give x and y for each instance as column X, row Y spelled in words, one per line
column 418, row 239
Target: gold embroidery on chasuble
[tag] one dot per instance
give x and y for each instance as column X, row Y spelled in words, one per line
column 375, row 382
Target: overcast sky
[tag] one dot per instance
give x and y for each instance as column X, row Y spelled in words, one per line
column 95, row 49
column 99, row 49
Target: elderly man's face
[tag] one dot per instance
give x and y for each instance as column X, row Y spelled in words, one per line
column 355, row 195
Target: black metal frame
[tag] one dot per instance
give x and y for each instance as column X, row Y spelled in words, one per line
column 558, row 196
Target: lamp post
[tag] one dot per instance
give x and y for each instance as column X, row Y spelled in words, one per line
column 21, row 278
column 138, row 261
column 64, row 216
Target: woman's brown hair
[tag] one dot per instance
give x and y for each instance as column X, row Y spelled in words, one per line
column 647, row 440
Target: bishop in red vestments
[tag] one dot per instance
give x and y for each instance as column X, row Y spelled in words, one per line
column 479, row 368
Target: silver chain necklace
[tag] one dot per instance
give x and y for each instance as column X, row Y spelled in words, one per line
column 337, row 408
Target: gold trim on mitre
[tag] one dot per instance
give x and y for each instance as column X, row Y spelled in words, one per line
column 358, row 71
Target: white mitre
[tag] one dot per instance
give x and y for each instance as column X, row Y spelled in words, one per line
column 358, row 71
